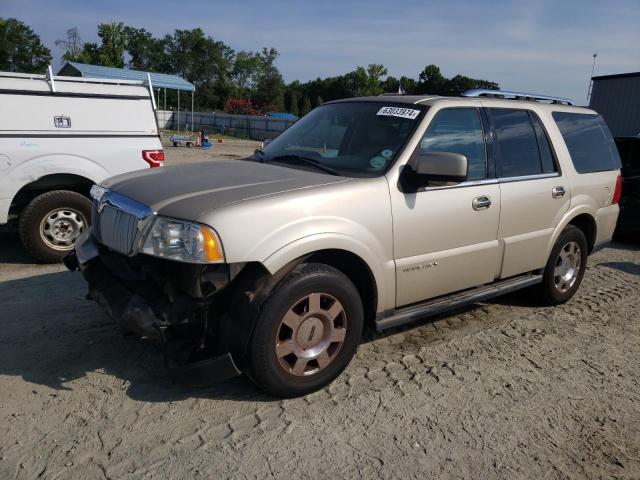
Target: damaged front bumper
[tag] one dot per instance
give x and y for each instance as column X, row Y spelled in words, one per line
column 174, row 305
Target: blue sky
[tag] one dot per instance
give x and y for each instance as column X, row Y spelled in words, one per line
column 534, row 46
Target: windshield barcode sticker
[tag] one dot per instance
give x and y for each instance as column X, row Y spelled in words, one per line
column 399, row 112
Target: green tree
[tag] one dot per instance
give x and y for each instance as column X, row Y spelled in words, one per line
column 145, row 51
column 294, row 104
column 72, row 45
column 431, row 80
column 114, row 41
column 110, row 52
column 306, row 105
column 318, row 101
column 244, row 72
column 203, row 61
column 21, row 50
column 460, row 83
column 269, row 88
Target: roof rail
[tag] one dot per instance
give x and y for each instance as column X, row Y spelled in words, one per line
column 485, row 92
column 59, row 78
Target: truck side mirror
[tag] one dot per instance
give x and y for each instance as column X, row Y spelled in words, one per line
column 440, row 166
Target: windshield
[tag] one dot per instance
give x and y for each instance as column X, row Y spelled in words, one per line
column 351, row 139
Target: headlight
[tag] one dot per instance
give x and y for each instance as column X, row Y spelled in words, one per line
column 183, row 241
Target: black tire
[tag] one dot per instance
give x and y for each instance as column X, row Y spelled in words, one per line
column 175, row 144
column 32, row 217
column 548, row 291
column 265, row 368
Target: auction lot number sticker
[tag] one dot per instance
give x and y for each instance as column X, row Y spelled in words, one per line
column 409, row 113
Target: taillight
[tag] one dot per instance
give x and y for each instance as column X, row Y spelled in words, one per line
column 618, row 191
column 155, row 158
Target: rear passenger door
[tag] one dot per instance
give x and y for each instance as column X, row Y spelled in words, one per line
column 534, row 193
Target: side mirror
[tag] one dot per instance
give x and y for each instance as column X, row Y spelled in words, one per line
column 267, row 141
column 441, row 166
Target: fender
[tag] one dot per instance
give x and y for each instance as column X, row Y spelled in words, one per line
column 29, row 171
column 35, row 168
column 568, row 216
column 383, row 272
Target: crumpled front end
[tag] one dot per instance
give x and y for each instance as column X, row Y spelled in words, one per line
column 177, row 306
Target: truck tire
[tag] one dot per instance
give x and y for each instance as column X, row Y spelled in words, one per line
column 51, row 222
column 565, row 268
column 307, row 332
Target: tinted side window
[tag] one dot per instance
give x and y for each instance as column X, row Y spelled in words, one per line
column 546, row 154
column 517, row 142
column 589, row 141
column 458, row 130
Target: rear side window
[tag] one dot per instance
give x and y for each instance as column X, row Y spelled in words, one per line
column 546, row 154
column 458, row 130
column 589, row 141
column 517, row 142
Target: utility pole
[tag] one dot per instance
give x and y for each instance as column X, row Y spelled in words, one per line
column 593, row 68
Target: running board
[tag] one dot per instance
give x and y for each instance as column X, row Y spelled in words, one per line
column 401, row 316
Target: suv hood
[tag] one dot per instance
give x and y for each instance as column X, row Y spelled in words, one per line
column 188, row 191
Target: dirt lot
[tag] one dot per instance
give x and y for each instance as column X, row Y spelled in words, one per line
column 503, row 390
column 229, row 148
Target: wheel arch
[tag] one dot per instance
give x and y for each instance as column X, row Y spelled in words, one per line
column 587, row 224
column 361, row 263
column 56, row 181
column 582, row 218
column 255, row 282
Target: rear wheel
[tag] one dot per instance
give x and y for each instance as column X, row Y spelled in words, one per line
column 307, row 332
column 565, row 268
column 51, row 222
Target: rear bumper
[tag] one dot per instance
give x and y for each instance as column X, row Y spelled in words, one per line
column 606, row 219
column 179, row 323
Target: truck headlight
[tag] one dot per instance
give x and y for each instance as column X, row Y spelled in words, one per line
column 183, row 241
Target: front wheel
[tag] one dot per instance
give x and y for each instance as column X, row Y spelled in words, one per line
column 51, row 222
column 565, row 268
column 307, row 332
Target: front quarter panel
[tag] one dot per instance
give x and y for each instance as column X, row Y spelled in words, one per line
column 274, row 230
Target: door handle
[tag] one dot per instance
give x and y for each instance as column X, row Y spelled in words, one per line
column 481, row 203
column 558, row 192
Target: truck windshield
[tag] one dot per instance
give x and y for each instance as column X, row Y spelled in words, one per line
column 359, row 139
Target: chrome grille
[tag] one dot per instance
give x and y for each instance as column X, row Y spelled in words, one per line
column 118, row 229
column 118, row 220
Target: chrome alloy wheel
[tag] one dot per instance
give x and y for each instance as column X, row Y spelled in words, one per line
column 60, row 228
column 311, row 334
column 568, row 266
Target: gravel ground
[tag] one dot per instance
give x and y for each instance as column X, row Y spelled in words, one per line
column 506, row 389
column 229, row 148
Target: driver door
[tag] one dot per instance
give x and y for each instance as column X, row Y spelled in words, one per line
column 446, row 236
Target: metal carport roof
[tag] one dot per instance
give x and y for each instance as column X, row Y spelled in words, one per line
column 158, row 80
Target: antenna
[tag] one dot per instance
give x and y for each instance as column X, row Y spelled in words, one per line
column 593, row 67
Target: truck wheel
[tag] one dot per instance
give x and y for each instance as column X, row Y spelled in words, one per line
column 307, row 332
column 565, row 267
column 51, row 222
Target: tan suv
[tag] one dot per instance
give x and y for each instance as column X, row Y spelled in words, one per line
column 380, row 210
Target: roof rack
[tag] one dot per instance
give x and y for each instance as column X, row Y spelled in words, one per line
column 48, row 77
column 485, row 92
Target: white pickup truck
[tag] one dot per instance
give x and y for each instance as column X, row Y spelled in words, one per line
column 59, row 136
